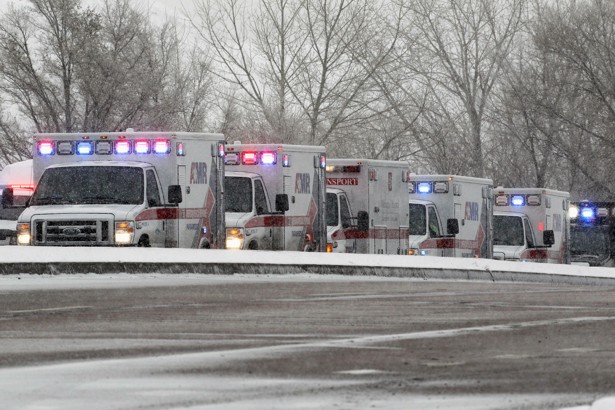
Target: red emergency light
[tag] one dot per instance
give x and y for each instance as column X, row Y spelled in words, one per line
column 141, row 147
column 45, row 148
column 268, row 158
column 249, row 158
column 122, row 147
column 162, row 147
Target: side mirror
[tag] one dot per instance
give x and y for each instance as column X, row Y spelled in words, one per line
column 548, row 237
column 281, row 202
column 7, row 198
column 452, row 226
column 363, row 221
column 175, row 194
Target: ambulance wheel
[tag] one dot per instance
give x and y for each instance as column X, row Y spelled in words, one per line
column 253, row 246
column 308, row 248
column 143, row 242
column 205, row 245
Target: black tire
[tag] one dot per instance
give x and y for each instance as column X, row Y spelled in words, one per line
column 144, row 242
column 253, row 246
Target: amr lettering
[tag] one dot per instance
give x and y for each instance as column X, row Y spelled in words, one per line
column 302, row 183
column 198, row 173
column 472, row 211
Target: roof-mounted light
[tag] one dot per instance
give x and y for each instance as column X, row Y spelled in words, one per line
column 65, row 148
column 517, row 200
column 122, row 147
column 45, row 148
column 141, row 147
column 268, row 158
column 104, row 147
column 85, row 148
column 424, row 187
column 249, row 158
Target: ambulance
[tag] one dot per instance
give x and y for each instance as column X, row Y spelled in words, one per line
column 275, row 197
column 16, row 187
column 450, row 215
column 159, row 189
column 592, row 233
column 367, row 206
column 531, row 225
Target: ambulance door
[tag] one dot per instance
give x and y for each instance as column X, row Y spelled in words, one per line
column 348, row 244
column 156, row 225
column 174, row 238
column 459, row 214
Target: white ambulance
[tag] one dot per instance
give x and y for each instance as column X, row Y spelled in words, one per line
column 366, row 206
column 463, row 203
column 275, row 197
column 531, row 224
column 16, row 187
column 160, row 189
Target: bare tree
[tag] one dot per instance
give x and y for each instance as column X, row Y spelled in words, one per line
column 464, row 44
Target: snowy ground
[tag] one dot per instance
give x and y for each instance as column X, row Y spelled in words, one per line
column 96, row 382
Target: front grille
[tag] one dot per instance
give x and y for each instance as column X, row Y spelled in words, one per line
column 76, row 233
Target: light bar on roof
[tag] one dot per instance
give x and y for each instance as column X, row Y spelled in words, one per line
column 65, row 148
column 122, row 147
column 268, row 158
column 141, row 147
column 517, row 200
column 45, row 148
column 249, row 158
column 424, row 187
column 104, row 147
column 84, row 148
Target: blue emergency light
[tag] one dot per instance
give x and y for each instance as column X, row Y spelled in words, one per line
column 424, row 187
column 587, row 213
column 517, row 200
column 85, row 148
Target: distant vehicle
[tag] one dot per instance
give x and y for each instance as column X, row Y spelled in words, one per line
column 160, row 189
column 464, row 203
column 367, row 209
column 592, row 233
column 16, row 187
column 531, row 224
column 275, row 197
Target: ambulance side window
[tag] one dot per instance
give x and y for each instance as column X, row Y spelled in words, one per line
column 434, row 224
column 151, row 188
column 260, row 199
column 529, row 238
column 345, row 212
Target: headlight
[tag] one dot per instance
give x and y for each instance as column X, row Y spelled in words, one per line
column 23, row 234
column 234, row 238
column 124, row 232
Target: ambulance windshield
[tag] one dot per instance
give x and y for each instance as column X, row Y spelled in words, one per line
column 508, row 230
column 418, row 220
column 589, row 240
column 238, row 194
column 90, row 185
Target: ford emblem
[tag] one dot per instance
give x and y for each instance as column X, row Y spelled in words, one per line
column 71, row 231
